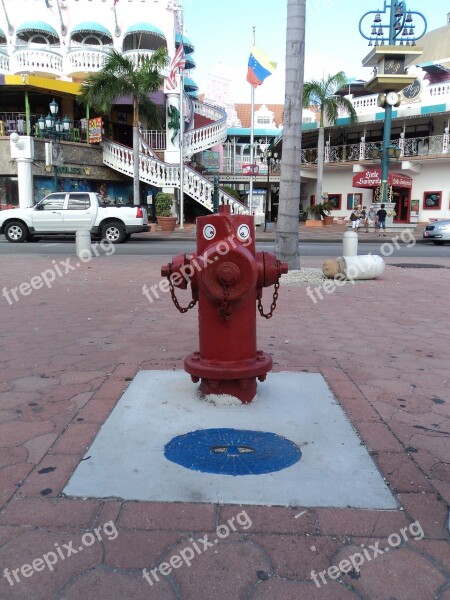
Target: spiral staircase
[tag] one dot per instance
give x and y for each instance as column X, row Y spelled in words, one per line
column 154, row 171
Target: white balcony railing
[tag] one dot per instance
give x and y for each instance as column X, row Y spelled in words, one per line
column 212, row 134
column 412, row 147
column 84, row 61
column 28, row 60
column 4, row 63
column 155, row 172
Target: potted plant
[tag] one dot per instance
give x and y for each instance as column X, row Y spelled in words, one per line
column 163, row 207
column 326, row 208
column 317, row 211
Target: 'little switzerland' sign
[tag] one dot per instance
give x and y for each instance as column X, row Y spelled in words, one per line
column 371, row 178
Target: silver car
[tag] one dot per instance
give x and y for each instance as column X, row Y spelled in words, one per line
column 438, row 232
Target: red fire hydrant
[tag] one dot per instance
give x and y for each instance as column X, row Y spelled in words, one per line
column 227, row 278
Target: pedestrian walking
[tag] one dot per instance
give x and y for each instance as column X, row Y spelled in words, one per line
column 381, row 217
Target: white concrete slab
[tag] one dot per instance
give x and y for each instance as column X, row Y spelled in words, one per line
column 127, row 457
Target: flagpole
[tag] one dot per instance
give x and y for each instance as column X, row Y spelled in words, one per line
column 117, row 29
column 181, row 134
column 252, row 139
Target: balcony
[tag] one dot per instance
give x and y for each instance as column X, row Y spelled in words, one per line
column 4, row 62
column 37, row 61
column 436, row 146
column 81, row 61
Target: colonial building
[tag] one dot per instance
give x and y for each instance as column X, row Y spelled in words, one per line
column 47, row 49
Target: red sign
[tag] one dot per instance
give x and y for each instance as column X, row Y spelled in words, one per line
column 250, row 169
column 371, row 178
column 95, row 130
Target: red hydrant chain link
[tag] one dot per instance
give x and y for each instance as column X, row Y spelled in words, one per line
column 182, row 309
column 273, row 306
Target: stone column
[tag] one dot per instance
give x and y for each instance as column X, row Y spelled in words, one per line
column 22, row 150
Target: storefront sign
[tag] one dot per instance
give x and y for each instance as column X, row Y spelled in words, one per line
column 250, row 169
column 371, row 178
column 210, row 160
column 95, row 130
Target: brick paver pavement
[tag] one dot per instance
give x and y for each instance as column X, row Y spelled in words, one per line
column 68, row 353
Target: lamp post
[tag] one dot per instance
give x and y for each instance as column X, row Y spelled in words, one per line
column 55, row 128
column 392, row 34
column 271, row 159
column 387, row 155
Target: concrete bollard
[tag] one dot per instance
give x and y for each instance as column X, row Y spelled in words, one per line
column 350, row 243
column 83, row 243
column 367, row 266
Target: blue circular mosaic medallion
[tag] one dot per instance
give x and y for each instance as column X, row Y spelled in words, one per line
column 232, row 451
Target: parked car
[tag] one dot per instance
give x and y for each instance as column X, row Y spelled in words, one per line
column 438, row 232
column 66, row 212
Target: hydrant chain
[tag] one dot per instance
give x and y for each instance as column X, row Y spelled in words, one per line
column 273, row 306
column 182, row 309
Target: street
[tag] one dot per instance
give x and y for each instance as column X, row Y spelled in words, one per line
column 149, row 247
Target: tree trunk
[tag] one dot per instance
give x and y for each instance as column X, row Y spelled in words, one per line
column 286, row 241
column 320, row 159
column 136, row 196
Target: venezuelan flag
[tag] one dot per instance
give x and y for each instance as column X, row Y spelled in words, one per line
column 259, row 66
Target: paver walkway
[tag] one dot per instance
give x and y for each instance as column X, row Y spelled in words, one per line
column 67, row 354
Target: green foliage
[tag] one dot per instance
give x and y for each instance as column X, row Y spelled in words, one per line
column 231, row 191
column 322, row 94
column 320, row 210
column 163, row 204
column 120, row 77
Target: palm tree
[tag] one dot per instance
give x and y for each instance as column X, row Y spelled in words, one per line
column 286, row 241
column 120, row 77
column 322, row 94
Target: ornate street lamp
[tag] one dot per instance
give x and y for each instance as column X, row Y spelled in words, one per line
column 392, row 34
column 271, row 159
column 54, row 127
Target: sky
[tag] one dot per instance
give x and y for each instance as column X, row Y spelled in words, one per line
column 222, row 32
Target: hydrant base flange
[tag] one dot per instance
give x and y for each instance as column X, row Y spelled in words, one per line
column 234, row 378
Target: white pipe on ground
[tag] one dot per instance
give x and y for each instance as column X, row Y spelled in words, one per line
column 367, row 266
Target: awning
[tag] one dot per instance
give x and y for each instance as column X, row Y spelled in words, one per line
column 145, row 28
column 187, row 44
column 371, row 178
column 190, row 62
column 190, row 85
column 42, row 84
column 38, row 26
column 90, row 27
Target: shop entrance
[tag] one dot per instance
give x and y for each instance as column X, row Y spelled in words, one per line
column 401, row 190
column 401, row 197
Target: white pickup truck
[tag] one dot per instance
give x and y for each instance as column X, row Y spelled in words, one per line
column 67, row 212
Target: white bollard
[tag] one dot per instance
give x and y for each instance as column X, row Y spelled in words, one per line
column 350, row 243
column 366, row 266
column 83, row 243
